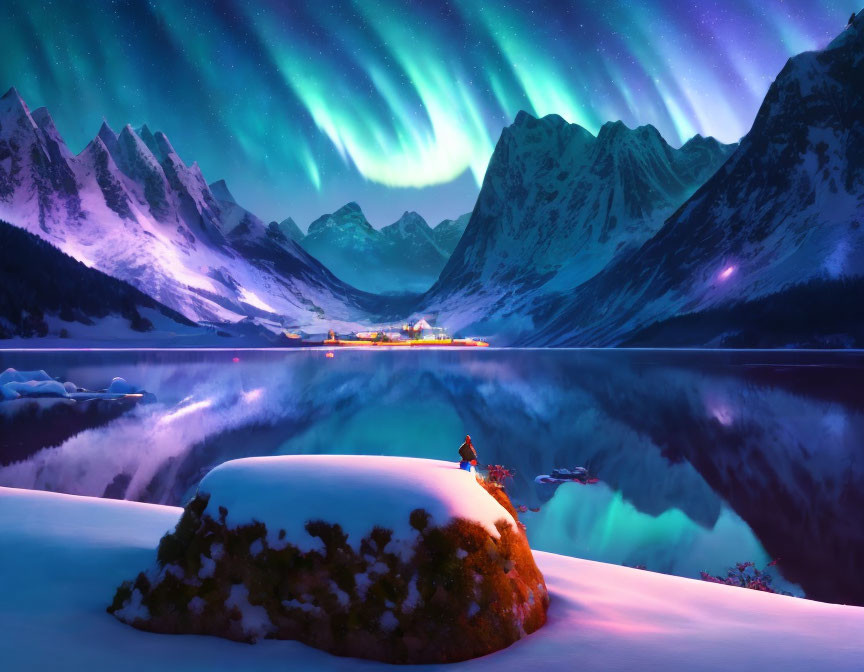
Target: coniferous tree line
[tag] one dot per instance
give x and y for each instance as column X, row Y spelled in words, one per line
column 38, row 280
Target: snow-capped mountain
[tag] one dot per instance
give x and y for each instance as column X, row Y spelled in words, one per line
column 402, row 257
column 288, row 228
column 448, row 233
column 129, row 206
column 787, row 208
column 410, row 247
column 557, row 204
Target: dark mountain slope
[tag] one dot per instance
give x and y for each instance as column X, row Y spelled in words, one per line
column 38, row 280
column 787, row 208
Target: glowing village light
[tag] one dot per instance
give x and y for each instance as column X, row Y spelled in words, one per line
column 726, row 273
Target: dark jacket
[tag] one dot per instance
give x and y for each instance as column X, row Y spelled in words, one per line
column 467, row 452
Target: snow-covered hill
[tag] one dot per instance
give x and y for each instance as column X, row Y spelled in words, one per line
column 71, row 552
column 557, row 204
column 129, row 206
column 787, row 208
column 402, row 257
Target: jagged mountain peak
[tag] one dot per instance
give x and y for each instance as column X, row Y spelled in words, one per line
column 288, row 227
column 107, row 135
column 147, row 138
column 700, row 140
column 412, row 227
column 401, row 257
column 556, row 205
column 220, row 190
column 43, row 119
column 349, row 217
column 158, row 225
column 411, row 219
column 349, row 208
column 12, row 97
column 617, row 136
column 783, row 212
column 448, row 232
column 165, row 148
column 132, row 154
column 95, row 146
column 527, row 120
column 13, row 107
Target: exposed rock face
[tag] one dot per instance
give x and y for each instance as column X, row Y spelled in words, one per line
column 556, row 206
column 449, row 232
column 444, row 593
column 787, row 208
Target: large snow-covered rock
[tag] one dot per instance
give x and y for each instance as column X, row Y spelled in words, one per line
column 390, row 558
column 129, row 206
column 556, row 206
column 787, row 208
column 285, row 492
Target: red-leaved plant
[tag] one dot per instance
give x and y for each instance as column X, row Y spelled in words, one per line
column 747, row 575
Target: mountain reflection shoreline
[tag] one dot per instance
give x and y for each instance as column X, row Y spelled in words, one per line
column 706, row 458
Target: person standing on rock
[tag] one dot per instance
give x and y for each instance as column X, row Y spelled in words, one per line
column 468, row 455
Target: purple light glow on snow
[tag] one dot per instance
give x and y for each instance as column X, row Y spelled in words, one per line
column 726, row 273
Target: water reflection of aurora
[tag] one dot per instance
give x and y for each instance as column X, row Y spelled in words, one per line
column 705, row 459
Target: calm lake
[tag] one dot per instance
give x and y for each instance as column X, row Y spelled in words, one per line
column 704, row 459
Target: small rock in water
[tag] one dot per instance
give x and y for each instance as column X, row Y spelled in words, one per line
column 120, row 386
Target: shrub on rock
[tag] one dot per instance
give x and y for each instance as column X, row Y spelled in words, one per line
column 441, row 582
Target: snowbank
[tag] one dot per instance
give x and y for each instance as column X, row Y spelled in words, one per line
column 16, row 384
column 61, row 558
column 120, row 386
column 357, row 492
column 393, row 559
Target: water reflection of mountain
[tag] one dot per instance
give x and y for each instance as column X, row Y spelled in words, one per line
column 29, row 425
column 696, row 441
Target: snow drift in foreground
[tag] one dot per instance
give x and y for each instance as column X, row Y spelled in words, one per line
column 62, row 556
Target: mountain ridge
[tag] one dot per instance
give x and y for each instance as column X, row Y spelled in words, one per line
column 401, row 258
column 556, row 205
column 784, row 210
column 131, row 207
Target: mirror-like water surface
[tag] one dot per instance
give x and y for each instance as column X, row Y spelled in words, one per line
column 704, row 458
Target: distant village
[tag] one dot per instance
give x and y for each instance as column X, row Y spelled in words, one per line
column 417, row 333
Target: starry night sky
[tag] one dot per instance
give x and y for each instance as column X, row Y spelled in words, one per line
column 303, row 106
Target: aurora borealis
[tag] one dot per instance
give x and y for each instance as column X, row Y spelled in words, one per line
column 303, row 106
